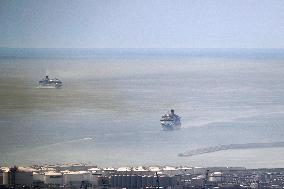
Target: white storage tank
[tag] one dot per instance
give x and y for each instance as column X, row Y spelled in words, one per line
column 119, row 180
column 1, row 176
column 53, row 178
column 199, row 170
column 198, row 182
column 144, row 181
column 153, row 170
column 156, row 181
column 95, row 169
column 86, row 175
column 140, row 170
column 24, row 178
column 94, row 178
column 128, row 181
column 108, row 171
column 150, row 181
column 164, row 181
column 71, row 178
column 215, row 177
column 173, row 181
column 124, row 171
column 38, row 177
column 124, row 181
column 139, row 181
column 169, row 170
column 115, row 181
column 134, row 179
column 111, row 180
column 5, row 178
column 185, row 170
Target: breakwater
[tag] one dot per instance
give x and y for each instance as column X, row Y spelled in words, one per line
column 230, row 147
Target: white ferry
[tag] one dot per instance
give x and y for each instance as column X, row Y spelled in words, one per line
column 170, row 121
column 50, row 83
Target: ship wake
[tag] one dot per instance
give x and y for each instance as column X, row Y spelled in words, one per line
column 65, row 143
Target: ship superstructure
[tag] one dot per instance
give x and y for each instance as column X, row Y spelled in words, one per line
column 50, row 83
column 170, row 121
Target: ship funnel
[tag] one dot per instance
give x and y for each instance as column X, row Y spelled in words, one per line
column 172, row 112
column 46, row 77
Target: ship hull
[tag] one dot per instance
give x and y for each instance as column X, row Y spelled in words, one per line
column 169, row 127
column 49, row 86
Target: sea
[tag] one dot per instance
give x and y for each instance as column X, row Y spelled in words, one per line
column 108, row 111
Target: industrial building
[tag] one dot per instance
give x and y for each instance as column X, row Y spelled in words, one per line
column 153, row 177
column 17, row 178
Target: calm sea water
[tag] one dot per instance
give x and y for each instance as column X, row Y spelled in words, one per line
column 108, row 111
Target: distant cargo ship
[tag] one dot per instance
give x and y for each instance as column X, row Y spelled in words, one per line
column 50, row 83
column 170, row 121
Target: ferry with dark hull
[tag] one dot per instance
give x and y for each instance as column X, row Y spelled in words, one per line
column 170, row 121
column 50, row 83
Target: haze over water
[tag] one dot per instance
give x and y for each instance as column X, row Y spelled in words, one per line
column 108, row 111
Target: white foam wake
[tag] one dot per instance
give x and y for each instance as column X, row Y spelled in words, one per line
column 64, row 142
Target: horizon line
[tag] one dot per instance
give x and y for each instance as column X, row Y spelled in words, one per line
column 141, row 48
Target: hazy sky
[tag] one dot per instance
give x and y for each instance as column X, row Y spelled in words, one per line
column 142, row 24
